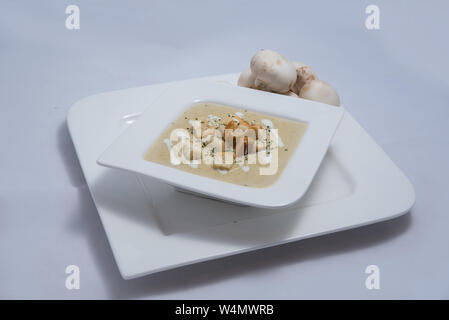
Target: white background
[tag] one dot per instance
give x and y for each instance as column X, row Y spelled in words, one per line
column 394, row 81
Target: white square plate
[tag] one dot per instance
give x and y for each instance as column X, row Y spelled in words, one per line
column 127, row 152
column 151, row 227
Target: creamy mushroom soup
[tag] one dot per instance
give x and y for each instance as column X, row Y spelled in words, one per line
column 228, row 144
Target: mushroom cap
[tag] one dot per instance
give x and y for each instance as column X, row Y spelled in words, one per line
column 298, row 64
column 318, row 90
column 305, row 73
column 272, row 72
column 246, row 79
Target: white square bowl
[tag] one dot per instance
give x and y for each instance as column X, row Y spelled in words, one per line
column 128, row 150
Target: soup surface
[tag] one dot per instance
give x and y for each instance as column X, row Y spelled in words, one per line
column 228, row 144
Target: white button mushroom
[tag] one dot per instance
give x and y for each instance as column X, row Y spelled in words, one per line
column 318, row 90
column 272, row 72
column 246, row 79
column 305, row 74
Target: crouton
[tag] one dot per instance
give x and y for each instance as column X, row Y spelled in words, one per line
column 231, row 125
column 242, row 121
